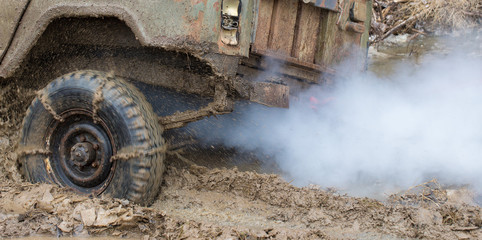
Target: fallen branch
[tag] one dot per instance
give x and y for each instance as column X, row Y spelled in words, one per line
column 474, row 14
column 414, row 36
column 396, row 28
column 418, row 31
column 465, row 228
column 386, row 11
column 380, row 11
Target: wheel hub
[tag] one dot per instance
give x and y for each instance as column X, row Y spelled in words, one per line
column 82, row 154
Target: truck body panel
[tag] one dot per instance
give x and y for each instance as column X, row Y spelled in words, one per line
column 10, row 14
column 183, row 25
column 232, row 41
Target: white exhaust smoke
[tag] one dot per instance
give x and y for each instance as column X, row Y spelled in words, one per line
column 372, row 136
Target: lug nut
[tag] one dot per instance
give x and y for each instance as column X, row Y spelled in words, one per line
column 96, row 146
column 82, row 138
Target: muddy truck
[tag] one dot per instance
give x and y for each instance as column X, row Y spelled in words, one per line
column 91, row 128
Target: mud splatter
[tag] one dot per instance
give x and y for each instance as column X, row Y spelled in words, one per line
column 200, row 202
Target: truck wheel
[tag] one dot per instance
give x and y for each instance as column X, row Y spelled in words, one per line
column 96, row 134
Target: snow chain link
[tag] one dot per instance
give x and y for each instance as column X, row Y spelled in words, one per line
column 138, row 154
column 27, row 152
column 98, row 98
column 45, row 102
column 121, row 156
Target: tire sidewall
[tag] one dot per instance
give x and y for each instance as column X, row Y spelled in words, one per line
column 118, row 110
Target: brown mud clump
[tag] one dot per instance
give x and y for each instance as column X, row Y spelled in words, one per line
column 14, row 100
column 220, row 203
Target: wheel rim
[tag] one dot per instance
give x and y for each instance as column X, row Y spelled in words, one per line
column 81, row 152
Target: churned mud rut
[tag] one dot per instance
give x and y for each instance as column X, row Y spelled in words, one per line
column 219, row 203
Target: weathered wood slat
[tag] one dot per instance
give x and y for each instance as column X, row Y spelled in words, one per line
column 328, row 31
column 307, row 35
column 264, row 24
column 282, row 26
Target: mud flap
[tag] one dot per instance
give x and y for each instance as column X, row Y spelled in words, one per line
column 270, row 94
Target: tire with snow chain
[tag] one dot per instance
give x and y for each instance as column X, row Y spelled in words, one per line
column 96, row 134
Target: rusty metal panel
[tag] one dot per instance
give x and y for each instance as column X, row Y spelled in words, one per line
column 340, row 36
column 325, row 4
column 283, row 26
column 307, row 35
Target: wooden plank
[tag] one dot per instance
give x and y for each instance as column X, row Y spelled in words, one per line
column 265, row 11
column 305, row 43
column 283, row 26
column 326, row 44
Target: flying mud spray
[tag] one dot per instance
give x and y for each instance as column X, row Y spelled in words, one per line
column 373, row 136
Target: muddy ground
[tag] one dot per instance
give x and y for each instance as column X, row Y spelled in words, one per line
column 210, row 202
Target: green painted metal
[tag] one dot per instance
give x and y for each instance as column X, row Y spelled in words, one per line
column 10, row 13
column 183, row 25
column 366, row 34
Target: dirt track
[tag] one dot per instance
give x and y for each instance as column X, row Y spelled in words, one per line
column 200, row 202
